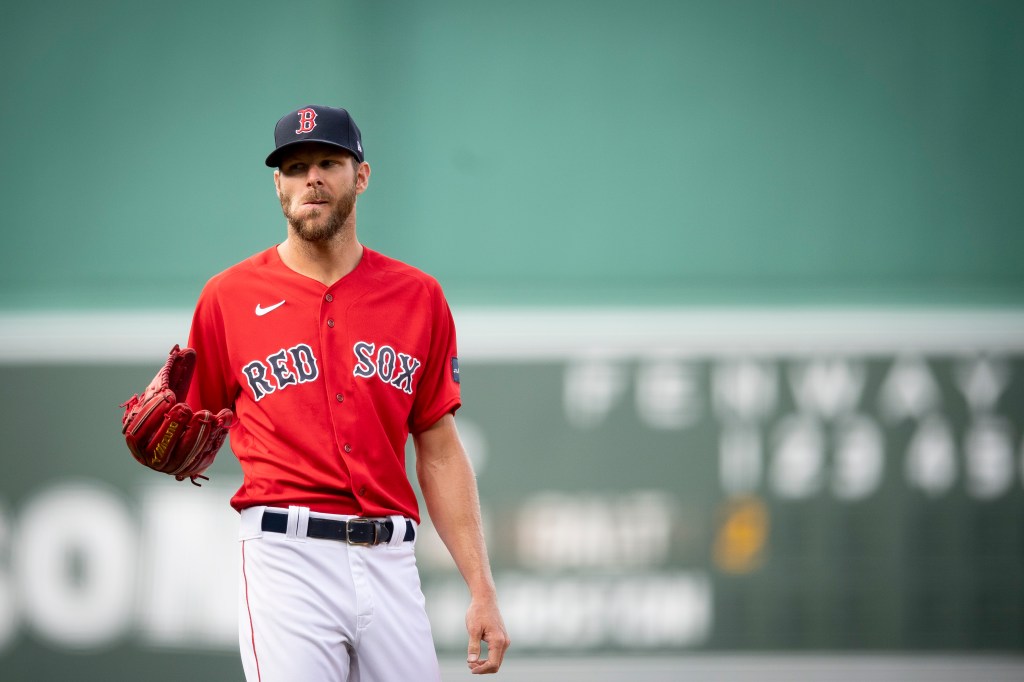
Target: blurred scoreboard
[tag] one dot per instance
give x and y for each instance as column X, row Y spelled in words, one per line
column 664, row 485
column 771, row 502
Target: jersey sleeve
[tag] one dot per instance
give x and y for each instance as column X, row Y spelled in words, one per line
column 212, row 385
column 438, row 391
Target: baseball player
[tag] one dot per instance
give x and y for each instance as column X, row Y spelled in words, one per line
column 322, row 356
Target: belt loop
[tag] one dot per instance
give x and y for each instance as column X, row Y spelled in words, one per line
column 397, row 531
column 298, row 523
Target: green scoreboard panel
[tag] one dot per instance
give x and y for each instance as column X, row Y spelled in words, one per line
column 654, row 495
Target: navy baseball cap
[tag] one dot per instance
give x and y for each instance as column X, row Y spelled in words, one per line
column 315, row 123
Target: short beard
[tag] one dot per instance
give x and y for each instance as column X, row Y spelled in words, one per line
column 317, row 228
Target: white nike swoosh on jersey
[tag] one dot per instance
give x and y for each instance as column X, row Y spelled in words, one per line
column 260, row 311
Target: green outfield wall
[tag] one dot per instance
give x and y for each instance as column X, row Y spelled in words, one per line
column 574, row 151
column 694, row 497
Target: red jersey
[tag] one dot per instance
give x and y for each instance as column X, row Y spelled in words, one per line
column 326, row 382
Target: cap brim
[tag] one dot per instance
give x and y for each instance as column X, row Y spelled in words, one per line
column 274, row 160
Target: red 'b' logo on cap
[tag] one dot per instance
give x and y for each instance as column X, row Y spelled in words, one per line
column 307, row 121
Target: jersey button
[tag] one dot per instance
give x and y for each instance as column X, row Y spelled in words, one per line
column 330, row 323
column 329, row 298
column 348, row 448
column 362, row 490
column 340, row 398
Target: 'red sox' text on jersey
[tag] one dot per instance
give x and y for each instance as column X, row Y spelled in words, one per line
column 329, row 439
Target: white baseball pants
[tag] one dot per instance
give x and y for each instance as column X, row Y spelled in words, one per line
column 326, row 611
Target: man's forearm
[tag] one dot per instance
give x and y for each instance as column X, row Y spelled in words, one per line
column 449, row 489
column 450, row 492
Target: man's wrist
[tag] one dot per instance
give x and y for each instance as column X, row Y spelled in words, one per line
column 483, row 592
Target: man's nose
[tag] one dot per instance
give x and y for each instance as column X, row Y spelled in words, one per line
column 314, row 176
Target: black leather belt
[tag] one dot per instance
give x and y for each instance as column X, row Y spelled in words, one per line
column 353, row 531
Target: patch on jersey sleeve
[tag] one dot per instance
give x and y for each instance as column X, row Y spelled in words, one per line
column 455, row 369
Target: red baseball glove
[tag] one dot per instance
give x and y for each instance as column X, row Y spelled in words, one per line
column 163, row 432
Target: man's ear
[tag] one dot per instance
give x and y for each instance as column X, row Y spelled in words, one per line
column 362, row 177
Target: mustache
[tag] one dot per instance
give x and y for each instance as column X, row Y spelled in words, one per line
column 315, row 196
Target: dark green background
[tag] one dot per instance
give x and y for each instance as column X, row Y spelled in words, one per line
column 896, row 571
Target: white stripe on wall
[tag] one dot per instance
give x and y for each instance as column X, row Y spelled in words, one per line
column 522, row 334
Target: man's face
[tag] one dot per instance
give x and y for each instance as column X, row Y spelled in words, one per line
column 317, row 185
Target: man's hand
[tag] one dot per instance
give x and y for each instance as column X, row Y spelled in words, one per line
column 483, row 622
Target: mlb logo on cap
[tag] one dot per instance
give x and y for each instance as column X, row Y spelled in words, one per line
column 315, row 123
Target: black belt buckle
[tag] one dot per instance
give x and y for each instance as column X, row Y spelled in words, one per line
column 357, row 530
